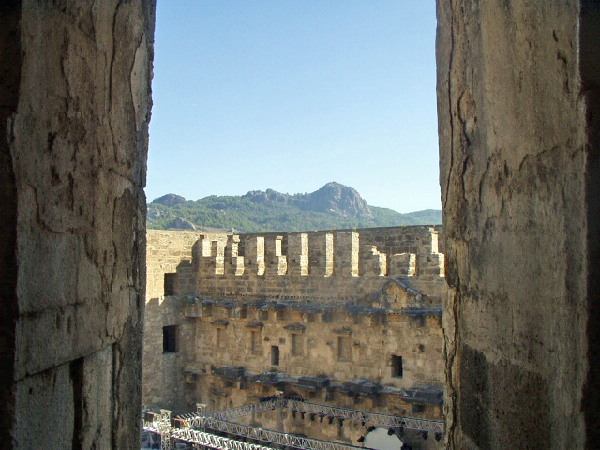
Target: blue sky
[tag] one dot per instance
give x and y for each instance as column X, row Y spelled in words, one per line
column 292, row 94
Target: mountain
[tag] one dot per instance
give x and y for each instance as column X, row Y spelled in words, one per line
column 334, row 206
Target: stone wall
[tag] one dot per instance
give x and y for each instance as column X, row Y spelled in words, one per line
column 74, row 111
column 518, row 110
column 342, row 265
column 309, row 342
column 165, row 251
column 518, row 107
column 346, row 318
column 164, row 372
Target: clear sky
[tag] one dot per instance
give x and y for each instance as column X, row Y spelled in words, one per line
column 292, row 94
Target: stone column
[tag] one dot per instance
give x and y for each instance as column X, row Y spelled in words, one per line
column 518, row 150
column 297, row 254
column 74, row 111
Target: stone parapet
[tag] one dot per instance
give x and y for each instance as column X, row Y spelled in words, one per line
column 344, row 264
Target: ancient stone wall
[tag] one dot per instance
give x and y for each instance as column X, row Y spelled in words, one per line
column 345, row 344
column 345, row 318
column 165, row 252
column 164, row 371
column 341, row 265
column 518, row 145
column 74, row 111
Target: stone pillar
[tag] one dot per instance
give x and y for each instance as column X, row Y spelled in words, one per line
column 373, row 263
column 74, row 111
column 255, row 256
column 206, row 260
column 519, row 151
column 403, row 265
column 297, row 254
column 230, row 253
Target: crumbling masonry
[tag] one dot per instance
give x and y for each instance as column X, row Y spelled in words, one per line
column 347, row 318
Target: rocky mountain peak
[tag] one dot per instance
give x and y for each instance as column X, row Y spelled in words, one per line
column 270, row 195
column 333, row 198
column 170, row 200
column 338, row 199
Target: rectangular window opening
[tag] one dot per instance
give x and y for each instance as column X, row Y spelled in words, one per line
column 170, row 283
column 170, row 339
column 221, row 338
column 274, row 355
column 418, row 408
column 397, row 370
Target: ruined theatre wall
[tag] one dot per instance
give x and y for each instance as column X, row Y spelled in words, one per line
column 165, row 251
column 309, row 344
column 342, row 265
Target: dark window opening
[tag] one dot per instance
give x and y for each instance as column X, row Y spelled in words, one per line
column 170, row 283
column 419, row 322
column 274, row 355
column 418, row 408
column 397, row 366
column 170, row 339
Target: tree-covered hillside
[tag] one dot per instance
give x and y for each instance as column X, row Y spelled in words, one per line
column 334, row 206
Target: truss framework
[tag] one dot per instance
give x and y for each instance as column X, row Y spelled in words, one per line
column 271, row 436
column 371, row 418
column 200, row 427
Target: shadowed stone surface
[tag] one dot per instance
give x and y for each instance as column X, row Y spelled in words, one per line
column 74, row 110
column 515, row 148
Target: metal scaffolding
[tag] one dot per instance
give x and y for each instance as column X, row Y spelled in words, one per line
column 201, row 427
column 160, row 423
column 214, row 441
column 371, row 418
column 252, row 408
column 271, row 436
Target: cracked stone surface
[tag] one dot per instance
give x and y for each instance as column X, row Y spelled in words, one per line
column 513, row 160
column 76, row 143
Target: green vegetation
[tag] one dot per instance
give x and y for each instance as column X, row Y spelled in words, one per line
column 247, row 214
